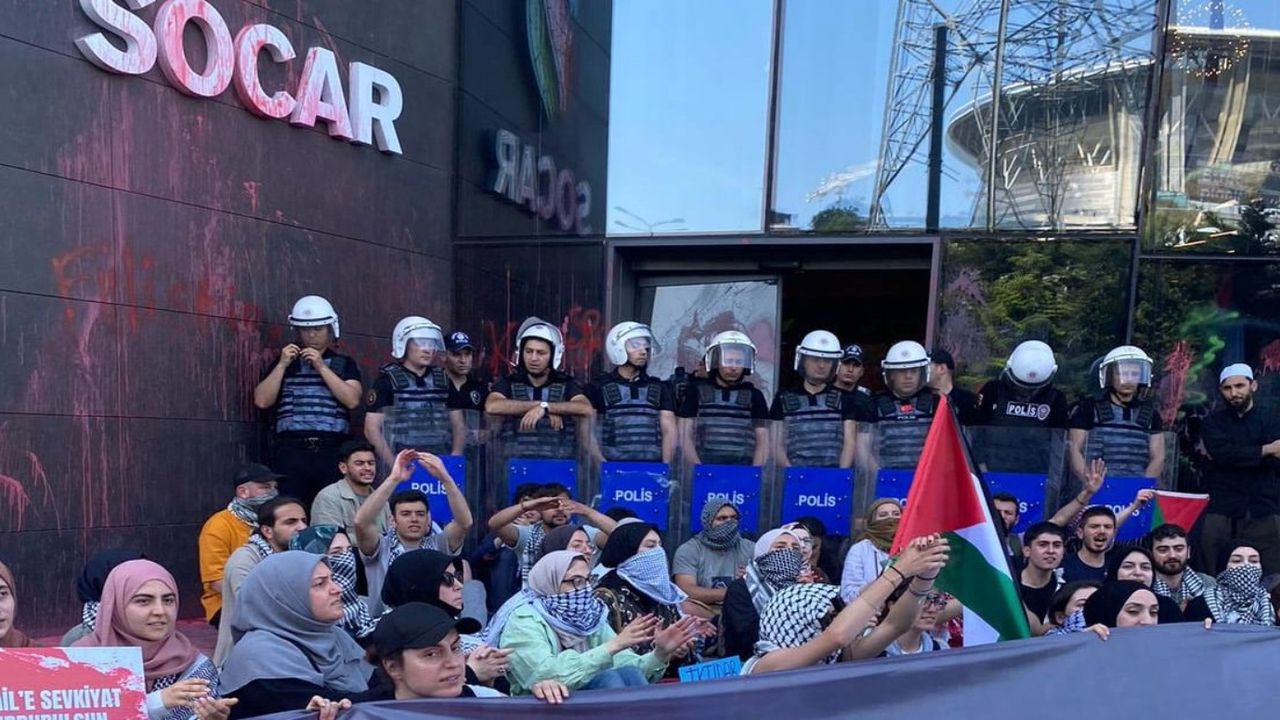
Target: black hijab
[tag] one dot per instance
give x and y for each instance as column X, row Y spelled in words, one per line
column 415, row 577
column 94, row 575
column 1169, row 610
column 624, row 542
column 1105, row 605
column 559, row 539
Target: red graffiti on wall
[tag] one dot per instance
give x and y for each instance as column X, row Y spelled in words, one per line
column 497, row 348
column 583, row 332
column 1270, row 357
column 1173, row 387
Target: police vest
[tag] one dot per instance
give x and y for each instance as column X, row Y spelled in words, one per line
column 306, row 405
column 418, row 416
column 1123, row 443
column 725, row 429
column 815, row 427
column 1010, row 410
column 630, row 430
column 543, row 442
column 902, row 426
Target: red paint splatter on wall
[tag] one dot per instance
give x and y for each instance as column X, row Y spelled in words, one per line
column 583, row 331
column 1270, row 357
column 1173, row 386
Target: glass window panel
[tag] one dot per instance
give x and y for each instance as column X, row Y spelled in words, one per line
column 1217, row 160
column 688, row 112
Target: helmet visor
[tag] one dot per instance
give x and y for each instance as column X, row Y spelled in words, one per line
column 1129, row 372
column 642, row 342
column 426, row 339
column 732, row 355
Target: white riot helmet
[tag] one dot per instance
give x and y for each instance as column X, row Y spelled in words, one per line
column 730, row 344
column 1126, row 360
column 1030, row 366
column 819, row 344
column 313, row 311
column 625, row 336
column 422, row 331
column 538, row 329
column 905, row 355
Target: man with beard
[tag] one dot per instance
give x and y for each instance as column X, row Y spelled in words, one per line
column 1242, row 439
column 229, row 528
column 539, row 403
column 1043, row 545
column 817, row 418
column 1174, row 578
column 726, row 417
column 337, row 504
column 634, row 410
column 706, row 564
column 278, row 521
column 554, row 507
column 411, row 526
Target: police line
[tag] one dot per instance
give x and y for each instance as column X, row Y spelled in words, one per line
column 1138, row 673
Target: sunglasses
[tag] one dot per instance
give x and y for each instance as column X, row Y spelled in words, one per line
column 449, row 579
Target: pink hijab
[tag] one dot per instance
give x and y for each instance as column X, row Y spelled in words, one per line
column 170, row 656
column 14, row 638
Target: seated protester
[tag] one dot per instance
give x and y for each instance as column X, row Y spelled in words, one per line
column 707, row 563
column 808, row 624
column 497, row 565
column 418, row 647
column 806, row 550
column 332, row 542
column 1118, row 604
column 10, row 636
column 229, row 528
column 1066, row 611
column 568, row 537
column 140, row 609
column 1240, row 597
column 817, row 533
column 1174, row 577
column 561, row 632
column 618, row 513
column 869, row 554
column 555, row 508
column 338, row 502
column 1042, row 548
column 1135, row 563
column 411, row 526
column 431, row 577
column 89, row 589
column 777, row 564
column 278, row 521
column 289, row 648
column 918, row 638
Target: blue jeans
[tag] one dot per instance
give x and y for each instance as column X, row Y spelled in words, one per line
column 616, row 678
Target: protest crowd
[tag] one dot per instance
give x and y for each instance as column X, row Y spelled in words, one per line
column 352, row 566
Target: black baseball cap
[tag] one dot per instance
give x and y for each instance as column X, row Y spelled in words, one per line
column 416, row 625
column 458, row 340
column 941, row 357
column 255, row 472
column 852, row 353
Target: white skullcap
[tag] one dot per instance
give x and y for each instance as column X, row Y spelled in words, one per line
column 1239, row 369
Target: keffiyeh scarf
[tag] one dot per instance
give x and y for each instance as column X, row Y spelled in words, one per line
column 794, row 617
column 771, row 572
column 723, row 537
column 648, row 572
column 573, row 615
column 395, row 548
column 246, row 509
column 1240, row 597
column 89, row 615
column 532, row 549
column 203, row 670
column 355, row 613
column 260, row 546
column 1073, row 624
column 1191, row 588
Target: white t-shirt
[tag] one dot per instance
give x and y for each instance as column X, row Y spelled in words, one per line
column 377, row 564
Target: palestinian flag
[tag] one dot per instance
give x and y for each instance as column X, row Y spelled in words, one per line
column 947, row 497
column 1181, row 509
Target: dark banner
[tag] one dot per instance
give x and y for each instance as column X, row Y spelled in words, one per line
column 1176, row 671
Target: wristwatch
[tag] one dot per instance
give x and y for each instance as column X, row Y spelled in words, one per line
column 545, row 407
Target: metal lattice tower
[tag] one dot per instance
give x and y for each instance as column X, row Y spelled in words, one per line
column 1065, row 64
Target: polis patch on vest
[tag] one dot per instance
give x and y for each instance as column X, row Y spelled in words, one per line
column 1038, row 411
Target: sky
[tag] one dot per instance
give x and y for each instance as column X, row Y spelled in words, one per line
column 688, row 113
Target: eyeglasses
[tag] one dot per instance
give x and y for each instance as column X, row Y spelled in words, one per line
column 577, row 583
column 936, row 600
column 450, row 579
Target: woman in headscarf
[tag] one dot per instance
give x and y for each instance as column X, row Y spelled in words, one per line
column 870, row 554
column 1069, row 602
column 1239, row 597
column 777, row 564
column 289, row 649
column 1138, row 564
column 568, row 537
column 89, row 589
column 561, row 632
column 806, row 550
column 1118, row 604
column 431, row 577
column 332, row 542
column 10, row 636
column 140, row 609
column 704, row 566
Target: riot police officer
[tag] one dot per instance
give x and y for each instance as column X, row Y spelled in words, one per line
column 1119, row 425
column 726, row 416
column 539, row 403
column 311, row 389
column 1024, row 401
column 408, row 405
column 635, row 411
column 903, row 411
column 817, row 421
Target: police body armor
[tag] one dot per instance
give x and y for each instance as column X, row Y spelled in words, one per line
column 815, row 427
column 419, row 416
column 903, row 426
column 725, row 428
column 630, row 430
column 543, row 442
column 306, row 406
column 1123, row 443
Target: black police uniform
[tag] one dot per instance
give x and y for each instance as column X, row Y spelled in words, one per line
column 629, row 415
column 543, row 442
column 416, row 408
column 310, row 424
column 902, row 424
column 1024, row 445
column 727, row 416
column 814, row 424
column 1120, row 434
